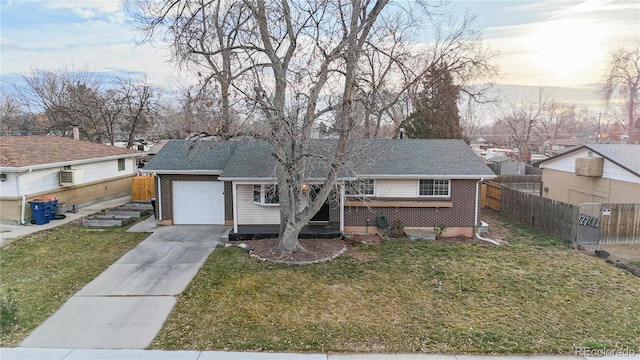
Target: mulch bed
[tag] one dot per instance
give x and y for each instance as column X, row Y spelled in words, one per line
column 315, row 250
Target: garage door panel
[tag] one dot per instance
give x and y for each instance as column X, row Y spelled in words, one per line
column 198, row 202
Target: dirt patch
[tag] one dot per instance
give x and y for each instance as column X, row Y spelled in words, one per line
column 314, row 250
column 624, row 256
column 623, row 252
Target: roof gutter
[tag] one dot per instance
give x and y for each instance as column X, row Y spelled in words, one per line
column 180, row 172
column 425, row 176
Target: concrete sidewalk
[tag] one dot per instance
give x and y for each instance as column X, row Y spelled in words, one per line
column 85, row 354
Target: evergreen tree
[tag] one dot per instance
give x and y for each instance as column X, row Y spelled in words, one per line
column 436, row 115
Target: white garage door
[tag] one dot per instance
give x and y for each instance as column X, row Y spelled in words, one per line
column 198, row 202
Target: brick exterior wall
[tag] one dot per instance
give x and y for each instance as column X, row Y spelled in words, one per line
column 228, row 201
column 462, row 214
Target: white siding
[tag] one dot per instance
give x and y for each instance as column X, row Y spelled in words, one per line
column 105, row 170
column 405, row 188
column 44, row 180
column 609, row 171
column 39, row 181
column 8, row 187
column 252, row 214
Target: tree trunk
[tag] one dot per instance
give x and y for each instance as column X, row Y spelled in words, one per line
column 288, row 242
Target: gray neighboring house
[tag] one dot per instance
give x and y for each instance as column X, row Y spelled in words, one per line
column 421, row 183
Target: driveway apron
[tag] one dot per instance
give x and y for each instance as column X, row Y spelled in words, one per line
column 126, row 305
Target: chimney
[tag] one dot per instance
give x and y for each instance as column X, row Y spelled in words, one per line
column 76, row 132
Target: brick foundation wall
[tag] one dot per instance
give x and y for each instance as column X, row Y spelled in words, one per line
column 461, row 214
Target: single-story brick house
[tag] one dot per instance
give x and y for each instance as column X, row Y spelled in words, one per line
column 77, row 172
column 593, row 173
column 422, row 183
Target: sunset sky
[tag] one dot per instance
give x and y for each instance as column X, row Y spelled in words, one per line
column 551, row 43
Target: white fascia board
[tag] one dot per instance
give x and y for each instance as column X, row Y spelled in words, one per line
column 11, row 169
column 249, row 180
column 414, row 176
column 181, row 172
column 274, row 180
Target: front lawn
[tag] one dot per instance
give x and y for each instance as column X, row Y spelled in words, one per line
column 536, row 295
column 40, row 272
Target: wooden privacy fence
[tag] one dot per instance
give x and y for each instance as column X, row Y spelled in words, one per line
column 553, row 217
column 589, row 223
column 143, row 188
column 619, row 223
column 492, row 192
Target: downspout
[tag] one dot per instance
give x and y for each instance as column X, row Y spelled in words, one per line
column 342, row 208
column 23, row 196
column 234, row 194
column 477, row 227
column 475, row 222
column 159, row 196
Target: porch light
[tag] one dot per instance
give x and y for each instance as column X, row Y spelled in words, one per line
column 3, row 177
column 305, row 187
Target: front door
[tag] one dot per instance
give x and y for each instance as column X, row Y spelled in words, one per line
column 323, row 214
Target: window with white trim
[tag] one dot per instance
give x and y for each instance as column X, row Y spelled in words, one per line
column 363, row 187
column 435, row 187
column 121, row 165
column 266, row 194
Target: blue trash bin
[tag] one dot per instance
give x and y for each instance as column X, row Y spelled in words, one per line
column 39, row 210
column 50, row 209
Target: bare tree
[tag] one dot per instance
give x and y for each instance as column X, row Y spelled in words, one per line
column 14, row 120
column 520, row 119
column 623, row 79
column 103, row 111
column 53, row 93
column 136, row 102
column 456, row 44
column 470, row 121
column 555, row 119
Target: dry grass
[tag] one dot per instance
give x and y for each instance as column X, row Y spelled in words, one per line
column 535, row 295
column 41, row 271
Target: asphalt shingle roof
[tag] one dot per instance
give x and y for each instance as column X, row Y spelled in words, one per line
column 380, row 157
column 186, row 155
column 625, row 155
column 423, row 157
column 20, row 151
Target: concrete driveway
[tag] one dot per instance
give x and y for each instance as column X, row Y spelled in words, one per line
column 126, row 305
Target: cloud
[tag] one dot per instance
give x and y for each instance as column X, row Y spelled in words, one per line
column 87, row 9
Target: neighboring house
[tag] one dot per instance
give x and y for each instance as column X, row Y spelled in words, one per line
column 593, row 173
column 77, row 172
column 505, row 165
column 422, row 183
